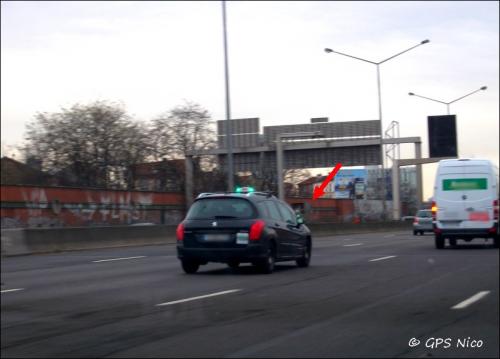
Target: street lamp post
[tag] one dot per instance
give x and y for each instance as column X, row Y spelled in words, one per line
column 327, row 50
column 229, row 132
column 448, row 103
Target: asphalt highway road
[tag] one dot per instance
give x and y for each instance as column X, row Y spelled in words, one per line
column 364, row 295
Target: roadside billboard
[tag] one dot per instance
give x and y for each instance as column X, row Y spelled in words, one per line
column 349, row 184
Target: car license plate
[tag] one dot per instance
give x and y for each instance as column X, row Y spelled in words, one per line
column 450, row 224
column 220, row 237
column 241, row 238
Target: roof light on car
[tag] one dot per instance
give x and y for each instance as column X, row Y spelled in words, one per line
column 244, row 189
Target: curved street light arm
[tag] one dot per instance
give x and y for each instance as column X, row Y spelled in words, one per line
column 473, row 92
column 402, row 52
column 428, row 98
column 353, row 57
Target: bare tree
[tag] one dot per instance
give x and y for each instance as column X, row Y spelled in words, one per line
column 182, row 131
column 90, row 145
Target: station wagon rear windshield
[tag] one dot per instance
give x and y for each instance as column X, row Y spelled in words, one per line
column 221, row 208
column 424, row 214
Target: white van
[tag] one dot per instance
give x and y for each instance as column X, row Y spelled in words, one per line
column 465, row 202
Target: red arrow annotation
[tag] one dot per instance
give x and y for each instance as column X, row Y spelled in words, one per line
column 319, row 190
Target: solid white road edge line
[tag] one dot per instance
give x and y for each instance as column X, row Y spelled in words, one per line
column 381, row 259
column 117, row 259
column 352, row 245
column 11, row 290
column 471, row 300
column 199, row 297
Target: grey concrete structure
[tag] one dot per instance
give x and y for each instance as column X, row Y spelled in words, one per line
column 27, row 241
column 50, row 240
column 314, row 153
column 312, row 145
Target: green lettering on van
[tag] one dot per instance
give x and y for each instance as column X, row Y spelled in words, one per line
column 465, row 184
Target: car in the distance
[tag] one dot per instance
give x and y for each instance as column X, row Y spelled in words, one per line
column 422, row 222
column 245, row 227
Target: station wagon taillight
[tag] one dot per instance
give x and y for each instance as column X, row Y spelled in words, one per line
column 256, row 230
column 415, row 221
column 180, row 232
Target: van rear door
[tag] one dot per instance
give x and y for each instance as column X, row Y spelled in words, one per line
column 465, row 197
column 449, row 199
column 478, row 197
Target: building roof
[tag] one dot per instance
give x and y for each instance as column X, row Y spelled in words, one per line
column 312, row 180
column 16, row 173
column 153, row 168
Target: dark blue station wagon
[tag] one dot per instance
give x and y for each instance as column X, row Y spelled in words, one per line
column 236, row 228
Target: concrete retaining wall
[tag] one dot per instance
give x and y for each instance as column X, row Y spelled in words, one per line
column 325, row 229
column 50, row 240
column 54, row 207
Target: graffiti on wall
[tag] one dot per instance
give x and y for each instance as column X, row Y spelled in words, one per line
column 371, row 210
column 49, row 207
column 111, row 207
column 36, row 202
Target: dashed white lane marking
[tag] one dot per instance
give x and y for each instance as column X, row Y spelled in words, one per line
column 199, row 297
column 381, row 259
column 352, row 245
column 471, row 300
column 11, row 290
column 117, row 259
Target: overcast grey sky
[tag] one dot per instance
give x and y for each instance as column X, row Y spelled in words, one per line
column 153, row 55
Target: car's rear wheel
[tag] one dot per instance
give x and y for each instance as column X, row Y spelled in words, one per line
column 190, row 267
column 496, row 241
column 266, row 265
column 439, row 241
column 453, row 242
column 306, row 257
column 415, row 233
column 233, row 264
